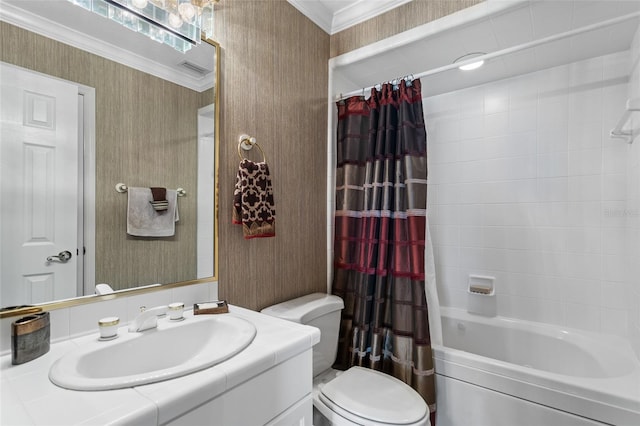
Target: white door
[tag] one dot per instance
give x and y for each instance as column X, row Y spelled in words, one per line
column 39, row 187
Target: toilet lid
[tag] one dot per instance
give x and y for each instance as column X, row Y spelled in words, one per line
column 375, row 396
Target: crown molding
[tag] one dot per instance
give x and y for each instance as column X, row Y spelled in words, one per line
column 362, row 10
column 51, row 29
column 315, row 11
column 354, row 13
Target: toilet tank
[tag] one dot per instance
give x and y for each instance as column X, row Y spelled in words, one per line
column 318, row 310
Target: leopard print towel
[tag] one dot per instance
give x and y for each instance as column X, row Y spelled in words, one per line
column 253, row 205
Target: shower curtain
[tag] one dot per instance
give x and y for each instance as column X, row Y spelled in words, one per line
column 379, row 243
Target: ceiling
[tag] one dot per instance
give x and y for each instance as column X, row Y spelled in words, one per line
column 73, row 25
column 336, row 15
column 489, row 27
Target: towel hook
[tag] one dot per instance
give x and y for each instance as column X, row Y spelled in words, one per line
column 247, row 143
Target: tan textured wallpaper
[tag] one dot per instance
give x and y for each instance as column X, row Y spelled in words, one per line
column 145, row 136
column 402, row 18
column 274, row 87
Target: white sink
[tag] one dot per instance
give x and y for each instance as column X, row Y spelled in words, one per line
column 172, row 350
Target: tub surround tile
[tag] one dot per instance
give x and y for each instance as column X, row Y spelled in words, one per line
column 553, row 113
column 634, row 335
column 452, row 296
column 614, row 187
column 615, row 321
column 586, row 135
column 539, row 195
column 585, row 317
column 553, row 141
column 632, row 231
column 586, row 240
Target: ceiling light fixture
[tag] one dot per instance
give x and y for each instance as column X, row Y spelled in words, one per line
column 177, row 23
column 470, row 65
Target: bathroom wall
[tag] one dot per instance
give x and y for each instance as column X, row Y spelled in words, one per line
column 77, row 320
column 633, row 203
column 274, row 87
column 145, row 136
column 402, row 18
column 591, row 287
column 527, row 186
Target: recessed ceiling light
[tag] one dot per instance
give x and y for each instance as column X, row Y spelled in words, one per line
column 472, row 65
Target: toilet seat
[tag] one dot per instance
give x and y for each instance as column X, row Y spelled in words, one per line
column 362, row 395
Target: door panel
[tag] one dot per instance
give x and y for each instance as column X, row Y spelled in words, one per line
column 39, row 188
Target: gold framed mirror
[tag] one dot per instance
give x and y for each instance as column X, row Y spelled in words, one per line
column 152, row 139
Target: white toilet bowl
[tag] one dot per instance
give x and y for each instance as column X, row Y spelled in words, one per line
column 358, row 396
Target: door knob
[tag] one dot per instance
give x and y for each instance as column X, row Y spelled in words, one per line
column 61, row 257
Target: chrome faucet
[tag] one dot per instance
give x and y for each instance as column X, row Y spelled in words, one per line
column 148, row 318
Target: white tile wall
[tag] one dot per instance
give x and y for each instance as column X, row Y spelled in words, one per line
column 632, row 210
column 527, row 186
column 83, row 319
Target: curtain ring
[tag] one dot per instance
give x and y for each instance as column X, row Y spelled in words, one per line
column 408, row 80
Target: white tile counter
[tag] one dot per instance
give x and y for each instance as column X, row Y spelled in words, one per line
column 277, row 365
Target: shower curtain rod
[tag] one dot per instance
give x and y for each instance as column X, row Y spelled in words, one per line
column 506, row 51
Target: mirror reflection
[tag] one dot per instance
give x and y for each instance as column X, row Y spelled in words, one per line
column 74, row 125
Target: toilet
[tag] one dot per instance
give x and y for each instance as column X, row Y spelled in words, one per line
column 358, row 396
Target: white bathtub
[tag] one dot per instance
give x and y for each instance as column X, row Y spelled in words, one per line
column 501, row 371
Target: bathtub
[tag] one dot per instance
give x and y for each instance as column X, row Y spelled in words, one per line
column 501, row 371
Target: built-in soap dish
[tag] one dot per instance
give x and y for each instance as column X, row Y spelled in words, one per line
column 481, row 298
column 480, row 284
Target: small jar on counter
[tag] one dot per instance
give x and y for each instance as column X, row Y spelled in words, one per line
column 108, row 328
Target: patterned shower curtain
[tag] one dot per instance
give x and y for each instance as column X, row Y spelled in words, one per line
column 381, row 199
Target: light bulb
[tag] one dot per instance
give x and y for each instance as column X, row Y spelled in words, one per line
column 174, row 20
column 471, row 66
column 140, row 4
column 187, row 11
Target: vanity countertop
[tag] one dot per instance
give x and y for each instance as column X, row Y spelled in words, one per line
column 28, row 397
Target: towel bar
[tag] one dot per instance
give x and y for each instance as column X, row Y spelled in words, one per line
column 633, row 105
column 121, row 187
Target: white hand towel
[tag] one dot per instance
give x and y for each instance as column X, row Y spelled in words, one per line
column 144, row 221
